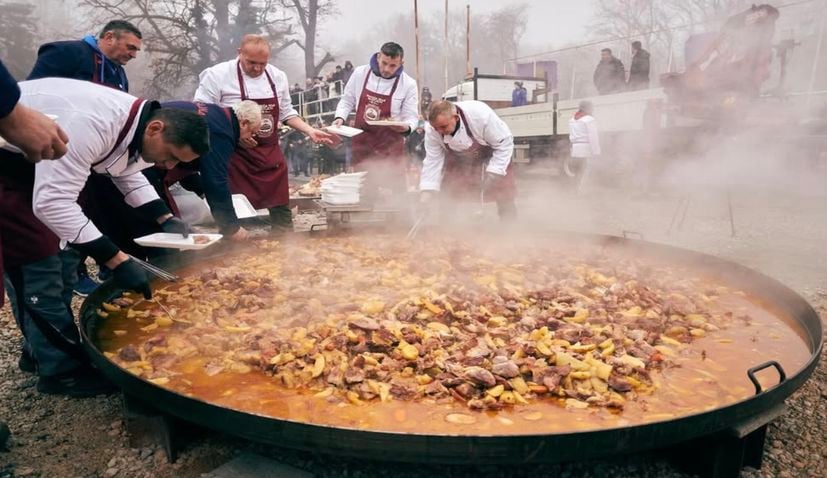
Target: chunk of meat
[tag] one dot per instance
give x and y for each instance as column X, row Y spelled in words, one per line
column 480, row 376
column 129, row 354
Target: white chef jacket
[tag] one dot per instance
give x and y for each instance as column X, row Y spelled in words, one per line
column 92, row 117
column 404, row 104
column 488, row 130
column 219, row 84
column 583, row 137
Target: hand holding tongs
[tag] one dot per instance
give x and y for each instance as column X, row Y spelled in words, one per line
column 155, row 270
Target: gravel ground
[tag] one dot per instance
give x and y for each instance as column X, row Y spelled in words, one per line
column 781, row 236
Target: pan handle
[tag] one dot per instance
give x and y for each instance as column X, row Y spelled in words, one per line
column 772, row 363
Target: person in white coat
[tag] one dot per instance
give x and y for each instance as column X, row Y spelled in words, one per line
column 110, row 133
column 259, row 170
column 381, row 90
column 585, row 143
column 468, row 151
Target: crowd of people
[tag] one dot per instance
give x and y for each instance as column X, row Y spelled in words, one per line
column 610, row 74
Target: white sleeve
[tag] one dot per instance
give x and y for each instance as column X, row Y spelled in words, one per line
column 410, row 106
column 58, row 183
column 499, row 138
column 208, row 90
column 594, row 138
column 136, row 189
column 286, row 110
column 348, row 100
column 431, row 177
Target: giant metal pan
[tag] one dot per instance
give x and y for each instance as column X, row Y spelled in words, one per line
column 479, row 449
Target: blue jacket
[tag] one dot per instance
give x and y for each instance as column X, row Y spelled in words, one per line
column 81, row 60
column 213, row 166
column 9, row 91
column 519, row 97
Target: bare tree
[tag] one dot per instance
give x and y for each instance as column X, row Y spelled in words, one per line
column 310, row 13
column 187, row 36
column 17, row 37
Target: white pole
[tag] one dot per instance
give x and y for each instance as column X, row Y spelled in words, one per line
column 818, row 47
column 445, row 45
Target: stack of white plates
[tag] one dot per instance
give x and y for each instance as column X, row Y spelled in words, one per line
column 342, row 189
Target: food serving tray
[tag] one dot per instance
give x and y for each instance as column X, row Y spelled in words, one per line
column 386, row 123
column 177, row 241
column 345, row 131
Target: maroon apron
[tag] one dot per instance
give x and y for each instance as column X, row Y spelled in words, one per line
column 463, row 172
column 260, row 173
column 378, row 144
column 23, row 238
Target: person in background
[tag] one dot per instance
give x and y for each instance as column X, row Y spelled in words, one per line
column 347, row 71
column 585, row 143
column 415, row 144
column 519, row 96
column 468, row 151
column 258, row 171
column 296, row 149
column 338, row 79
column 100, row 60
column 610, row 75
column 639, row 69
column 425, row 101
column 38, row 137
column 381, row 90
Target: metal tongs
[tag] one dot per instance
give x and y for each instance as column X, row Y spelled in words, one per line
column 155, row 270
column 415, row 228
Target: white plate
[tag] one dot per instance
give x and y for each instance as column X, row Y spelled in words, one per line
column 176, row 241
column 345, row 131
column 243, row 207
column 386, row 123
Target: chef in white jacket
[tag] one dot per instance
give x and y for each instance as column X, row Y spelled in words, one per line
column 258, row 170
column 468, row 151
column 380, row 90
column 585, row 143
column 110, row 133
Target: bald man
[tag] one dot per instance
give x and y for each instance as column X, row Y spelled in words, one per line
column 468, row 151
column 258, row 170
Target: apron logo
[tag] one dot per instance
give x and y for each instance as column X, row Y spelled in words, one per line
column 266, row 126
column 372, row 113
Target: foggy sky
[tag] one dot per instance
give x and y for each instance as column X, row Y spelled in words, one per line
column 551, row 23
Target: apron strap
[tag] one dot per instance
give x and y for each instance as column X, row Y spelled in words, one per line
column 393, row 88
column 133, row 113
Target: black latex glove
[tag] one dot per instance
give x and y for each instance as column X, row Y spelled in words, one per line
column 490, row 182
column 130, row 276
column 174, row 225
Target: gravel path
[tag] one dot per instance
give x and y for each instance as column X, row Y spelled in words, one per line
column 782, row 237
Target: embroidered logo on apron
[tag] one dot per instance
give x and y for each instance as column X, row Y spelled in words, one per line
column 267, row 126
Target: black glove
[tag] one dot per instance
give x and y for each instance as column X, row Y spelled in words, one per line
column 490, row 182
column 174, row 225
column 130, row 276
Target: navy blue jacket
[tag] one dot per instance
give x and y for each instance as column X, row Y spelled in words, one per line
column 78, row 59
column 9, row 91
column 213, row 166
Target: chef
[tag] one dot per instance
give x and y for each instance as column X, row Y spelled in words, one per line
column 113, row 134
column 585, row 143
column 39, row 138
column 381, row 90
column 468, row 151
column 228, row 128
column 258, row 170
column 100, row 60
